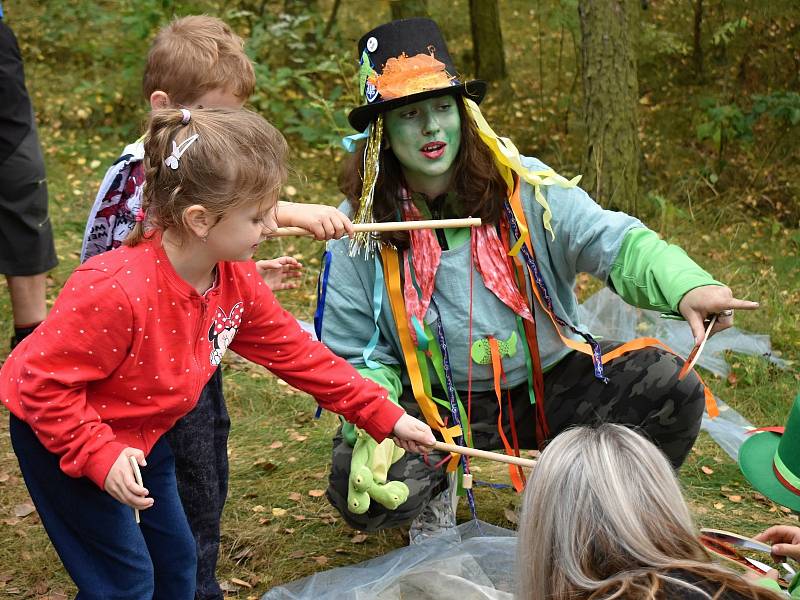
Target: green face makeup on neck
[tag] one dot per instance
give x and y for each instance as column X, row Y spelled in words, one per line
column 425, row 137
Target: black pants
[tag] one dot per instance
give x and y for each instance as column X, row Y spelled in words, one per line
column 199, row 442
column 643, row 392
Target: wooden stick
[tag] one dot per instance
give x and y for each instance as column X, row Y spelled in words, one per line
column 503, row 458
column 137, row 475
column 390, row 226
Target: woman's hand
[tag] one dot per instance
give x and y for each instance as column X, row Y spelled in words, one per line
column 413, row 435
column 121, row 484
column 704, row 302
column 279, row 273
column 785, row 540
column 325, row 222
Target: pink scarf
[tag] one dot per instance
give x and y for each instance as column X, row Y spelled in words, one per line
column 489, row 258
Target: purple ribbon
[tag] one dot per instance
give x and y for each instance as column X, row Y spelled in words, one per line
column 530, row 261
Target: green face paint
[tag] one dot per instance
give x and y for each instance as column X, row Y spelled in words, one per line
column 425, row 137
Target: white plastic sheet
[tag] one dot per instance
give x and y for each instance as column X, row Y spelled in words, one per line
column 475, row 561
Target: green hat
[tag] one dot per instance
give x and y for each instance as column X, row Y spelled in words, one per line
column 770, row 460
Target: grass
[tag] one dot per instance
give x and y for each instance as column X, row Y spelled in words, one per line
column 276, row 526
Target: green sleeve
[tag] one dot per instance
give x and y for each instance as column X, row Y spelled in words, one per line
column 770, row 584
column 385, row 376
column 650, row 273
column 794, row 587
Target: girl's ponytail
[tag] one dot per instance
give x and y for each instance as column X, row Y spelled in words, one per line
column 162, row 129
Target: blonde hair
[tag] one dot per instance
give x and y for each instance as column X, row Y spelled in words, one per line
column 604, row 517
column 194, row 55
column 237, row 158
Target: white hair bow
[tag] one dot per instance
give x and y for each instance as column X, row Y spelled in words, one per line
column 173, row 160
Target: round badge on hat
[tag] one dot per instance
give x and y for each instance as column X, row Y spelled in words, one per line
column 770, row 461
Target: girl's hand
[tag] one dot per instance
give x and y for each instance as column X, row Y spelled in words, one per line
column 705, row 301
column 121, row 484
column 325, row 222
column 413, row 435
column 785, row 540
column 278, row 273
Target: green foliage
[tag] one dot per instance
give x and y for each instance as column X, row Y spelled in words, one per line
column 299, row 80
column 723, row 35
column 724, row 123
column 656, row 42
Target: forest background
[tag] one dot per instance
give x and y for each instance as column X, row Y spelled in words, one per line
column 708, row 89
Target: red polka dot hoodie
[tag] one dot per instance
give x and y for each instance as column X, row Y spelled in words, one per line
column 128, row 346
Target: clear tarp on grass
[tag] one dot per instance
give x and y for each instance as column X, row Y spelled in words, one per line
column 475, row 561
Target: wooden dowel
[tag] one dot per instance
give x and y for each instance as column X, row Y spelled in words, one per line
column 137, row 475
column 390, row 226
column 504, row 458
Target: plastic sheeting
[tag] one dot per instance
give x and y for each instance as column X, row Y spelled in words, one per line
column 475, row 562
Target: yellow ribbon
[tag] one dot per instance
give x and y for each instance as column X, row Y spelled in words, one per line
column 508, row 161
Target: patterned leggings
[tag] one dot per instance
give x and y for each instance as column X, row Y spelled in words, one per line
column 643, row 392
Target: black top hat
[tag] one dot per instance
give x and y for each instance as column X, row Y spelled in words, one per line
column 409, row 37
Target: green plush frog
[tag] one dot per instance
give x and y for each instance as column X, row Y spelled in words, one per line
column 369, row 468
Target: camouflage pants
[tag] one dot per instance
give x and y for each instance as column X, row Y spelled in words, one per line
column 643, row 392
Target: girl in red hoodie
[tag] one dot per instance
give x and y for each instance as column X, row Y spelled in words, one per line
column 135, row 335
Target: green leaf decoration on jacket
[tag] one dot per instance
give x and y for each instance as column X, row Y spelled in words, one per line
column 369, row 469
column 482, row 353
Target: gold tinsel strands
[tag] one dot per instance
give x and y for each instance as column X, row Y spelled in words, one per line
column 365, row 240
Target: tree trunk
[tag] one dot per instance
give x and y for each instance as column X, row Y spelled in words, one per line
column 487, row 40
column 610, row 92
column 405, row 9
column 697, row 53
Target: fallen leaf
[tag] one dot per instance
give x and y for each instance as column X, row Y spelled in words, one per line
column 785, row 509
column 240, row 582
column 300, row 438
column 40, row 588
column 735, row 498
column 316, row 493
column 258, row 508
column 295, row 497
column 359, row 538
column 227, row 586
column 510, row 515
column 299, row 517
column 297, row 554
column 288, row 530
column 321, row 560
column 719, row 505
column 4, row 477
column 264, row 521
column 275, row 445
column 266, row 465
column 279, row 512
column 707, row 470
column 241, row 555
column 24, row 509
